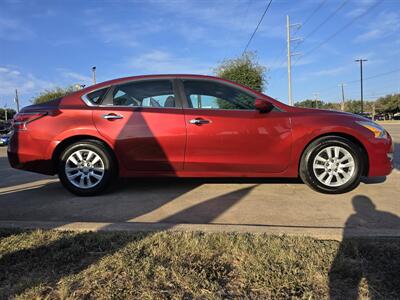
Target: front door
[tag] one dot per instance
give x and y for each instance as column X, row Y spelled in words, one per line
column 227, row 136
column 145, row 122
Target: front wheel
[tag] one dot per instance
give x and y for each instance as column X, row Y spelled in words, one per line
column 332, row 165
column 86, row 168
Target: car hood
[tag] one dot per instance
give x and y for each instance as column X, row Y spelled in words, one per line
column 316, row 112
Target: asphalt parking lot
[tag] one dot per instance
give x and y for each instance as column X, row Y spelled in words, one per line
column 274, row 206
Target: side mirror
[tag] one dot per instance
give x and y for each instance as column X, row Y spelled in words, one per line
column 263, row 106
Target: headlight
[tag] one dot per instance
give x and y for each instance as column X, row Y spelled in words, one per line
column 378, row 131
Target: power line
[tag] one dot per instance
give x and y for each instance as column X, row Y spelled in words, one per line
column 376, row 75
column 344, row 27
column 377, row 96
column 327, row 19
column 366, row 78
column 313, row 12
column 358, row 80
column 255, row 30
column 322, row 23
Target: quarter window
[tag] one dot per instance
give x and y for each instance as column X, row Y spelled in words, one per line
column 149, row 93
column 212, row 95
column 97, row 96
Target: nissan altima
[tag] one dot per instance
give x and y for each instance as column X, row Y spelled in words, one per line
column 193, row 126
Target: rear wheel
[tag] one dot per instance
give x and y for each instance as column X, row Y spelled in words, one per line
column 86, row 168
column 332, row 165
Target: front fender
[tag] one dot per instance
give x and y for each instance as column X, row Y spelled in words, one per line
column 305, row 132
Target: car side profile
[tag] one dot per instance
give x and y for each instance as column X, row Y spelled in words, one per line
column 193, row 126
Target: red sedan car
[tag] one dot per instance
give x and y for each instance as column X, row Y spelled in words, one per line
column 193, row 126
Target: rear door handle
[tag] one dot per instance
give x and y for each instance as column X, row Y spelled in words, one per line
column 199, row 121
column 112, row 117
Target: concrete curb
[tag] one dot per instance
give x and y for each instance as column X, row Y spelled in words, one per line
column 389, row 122
column 322, row 233
column 3, row 151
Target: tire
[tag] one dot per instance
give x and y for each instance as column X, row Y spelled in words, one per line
column 345, row 174
column 90, row 175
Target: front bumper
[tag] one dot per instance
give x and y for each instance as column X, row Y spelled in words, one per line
column 380, row 152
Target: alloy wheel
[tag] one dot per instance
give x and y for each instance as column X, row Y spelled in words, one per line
column 84, row 168
column 333, row 166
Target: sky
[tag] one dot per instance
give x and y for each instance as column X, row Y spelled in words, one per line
column 46, row 44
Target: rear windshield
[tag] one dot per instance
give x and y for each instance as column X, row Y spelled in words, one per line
column 97, row 96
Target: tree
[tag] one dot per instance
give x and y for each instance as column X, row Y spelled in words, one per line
column 51, row 94
column 352, row 106
column 244, row 70
column 320, row 104
column 388, row 104
column 309, row 103
column 331, row 106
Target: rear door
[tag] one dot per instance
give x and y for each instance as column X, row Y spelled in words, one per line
column 145, row 122
column 226, row 134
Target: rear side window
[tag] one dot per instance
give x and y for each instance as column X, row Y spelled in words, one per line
column 97, row 96
column 148, row 93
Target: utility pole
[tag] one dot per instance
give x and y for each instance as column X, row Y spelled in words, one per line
column 342, row 104
column 361, row 80
column 94, row 74
column 16, row 100
column 316, row 98
column 289, row 57
column 373, row 110
column 5, row 113
column 289, row 64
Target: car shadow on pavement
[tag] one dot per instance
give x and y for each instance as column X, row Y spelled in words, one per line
column 51, row 202
column 127, row 200
column 46, row 264
column 205, row 212
column 12, row 177
column 366, row 265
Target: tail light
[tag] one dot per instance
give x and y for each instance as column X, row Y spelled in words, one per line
column 22, row 119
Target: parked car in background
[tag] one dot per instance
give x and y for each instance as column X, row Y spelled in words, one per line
column 379, row 117
column 5, row 127
column 193, row 126
column 365, row 115
column 396, row 117
column 4, row 139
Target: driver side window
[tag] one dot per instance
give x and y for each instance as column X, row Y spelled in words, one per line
column 147, row 93
column 205, row 94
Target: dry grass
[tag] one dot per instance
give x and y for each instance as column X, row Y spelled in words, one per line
column 173, row 265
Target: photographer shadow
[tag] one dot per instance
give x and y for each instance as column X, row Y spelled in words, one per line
column 371, row 260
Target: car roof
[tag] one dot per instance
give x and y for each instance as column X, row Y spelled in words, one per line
column 160, row 76
column 178, row 76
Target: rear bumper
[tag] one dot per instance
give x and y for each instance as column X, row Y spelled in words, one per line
column 380, row 152
column 28, row 154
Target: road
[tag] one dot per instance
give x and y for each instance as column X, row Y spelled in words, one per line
column 273, row 206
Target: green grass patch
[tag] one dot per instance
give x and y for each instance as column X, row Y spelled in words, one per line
column 174, row 265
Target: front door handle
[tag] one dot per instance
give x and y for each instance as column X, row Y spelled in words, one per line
column 112, row 116
column 199, row 121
